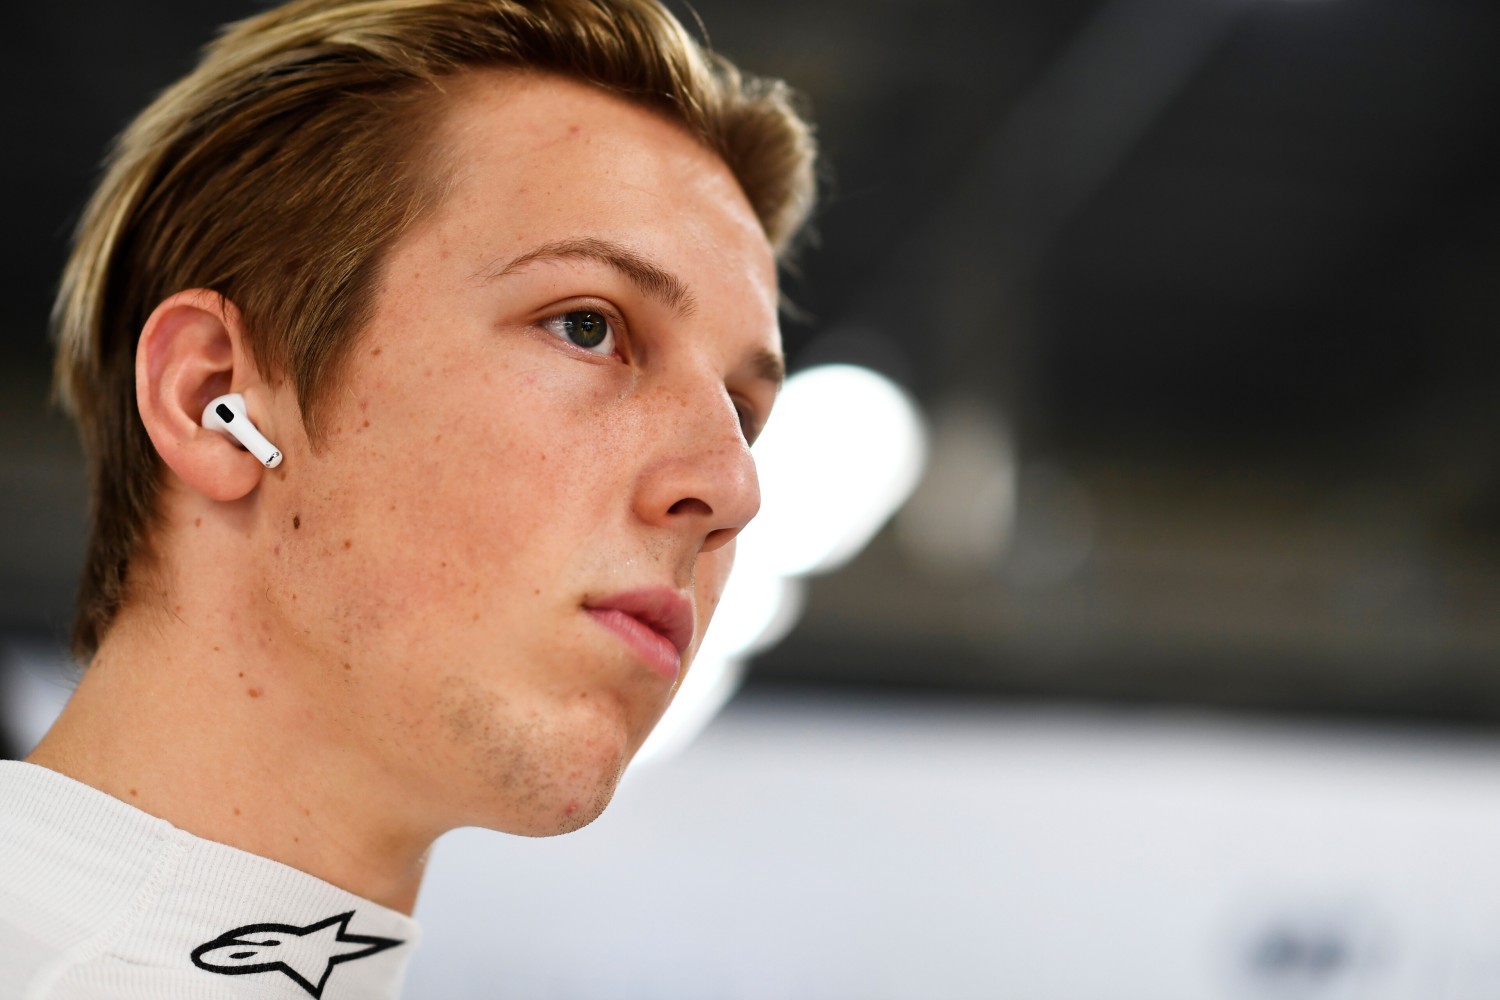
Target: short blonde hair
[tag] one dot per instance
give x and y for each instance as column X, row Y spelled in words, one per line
column 280, row 171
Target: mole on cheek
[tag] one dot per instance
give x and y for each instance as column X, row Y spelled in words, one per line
column 296, row 522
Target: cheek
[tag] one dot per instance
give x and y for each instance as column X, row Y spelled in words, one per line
column 442, row 512
column 522, row 480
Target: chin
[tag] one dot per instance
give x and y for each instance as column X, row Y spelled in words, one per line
column 541, row 774
column 561, row 803
column 533, row 766
column 576, row 815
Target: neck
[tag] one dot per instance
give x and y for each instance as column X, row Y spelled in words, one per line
column 225, row 737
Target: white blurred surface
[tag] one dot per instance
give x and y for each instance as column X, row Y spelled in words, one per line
column 818, row 847
column 36, row 681
column 833, row 849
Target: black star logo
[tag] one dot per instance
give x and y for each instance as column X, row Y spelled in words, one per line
column 306, row 955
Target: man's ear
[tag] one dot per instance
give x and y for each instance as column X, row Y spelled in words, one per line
column 192, row 350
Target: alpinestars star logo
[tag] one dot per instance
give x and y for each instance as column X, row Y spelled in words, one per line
column 306, row 955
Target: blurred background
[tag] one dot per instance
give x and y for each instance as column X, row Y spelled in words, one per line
column 1177, row 676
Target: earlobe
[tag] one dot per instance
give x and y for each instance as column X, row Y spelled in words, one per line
column 190, row 352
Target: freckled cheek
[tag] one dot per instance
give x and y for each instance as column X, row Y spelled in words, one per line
column 457, row 496
column 506, row 489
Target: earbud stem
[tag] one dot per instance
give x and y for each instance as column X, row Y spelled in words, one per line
column 227, row 413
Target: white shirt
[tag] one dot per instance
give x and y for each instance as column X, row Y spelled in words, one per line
column 100, row 900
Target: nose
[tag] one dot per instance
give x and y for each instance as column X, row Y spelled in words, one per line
column 699, row 477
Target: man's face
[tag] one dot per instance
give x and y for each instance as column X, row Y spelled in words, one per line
column 540, row 447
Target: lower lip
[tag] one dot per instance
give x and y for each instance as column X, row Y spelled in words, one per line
column 647, row 643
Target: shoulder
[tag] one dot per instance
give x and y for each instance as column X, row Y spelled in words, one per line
column 74, row 861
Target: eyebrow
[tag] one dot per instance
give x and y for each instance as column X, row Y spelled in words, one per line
column 767, row 364
column 652, row 279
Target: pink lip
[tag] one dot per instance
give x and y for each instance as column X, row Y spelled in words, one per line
column 656, row 623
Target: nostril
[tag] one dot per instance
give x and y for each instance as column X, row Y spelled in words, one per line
column 690, row 505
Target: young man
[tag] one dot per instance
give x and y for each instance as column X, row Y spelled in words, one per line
column 498, row 279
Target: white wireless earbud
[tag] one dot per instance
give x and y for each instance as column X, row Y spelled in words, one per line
column 227, row 414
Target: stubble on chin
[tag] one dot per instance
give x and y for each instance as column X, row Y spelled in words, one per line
column 521, row 770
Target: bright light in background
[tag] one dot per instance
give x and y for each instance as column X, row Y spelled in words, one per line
column 843, row 451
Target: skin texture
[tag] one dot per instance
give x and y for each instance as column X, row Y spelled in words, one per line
column 385, row 638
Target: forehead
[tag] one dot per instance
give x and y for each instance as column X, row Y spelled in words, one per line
column 532, row 159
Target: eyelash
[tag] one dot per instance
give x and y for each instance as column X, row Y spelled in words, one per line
column 614, row 327
column 750, row 423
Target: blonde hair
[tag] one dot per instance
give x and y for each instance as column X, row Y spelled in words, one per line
column 280, row 171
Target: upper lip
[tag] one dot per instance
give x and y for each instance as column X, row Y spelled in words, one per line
column 658, row 608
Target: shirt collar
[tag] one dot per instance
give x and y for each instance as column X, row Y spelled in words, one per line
column 157, row 896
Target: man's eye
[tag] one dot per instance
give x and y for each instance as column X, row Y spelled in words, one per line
column 584, row 328
column 750, row 423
